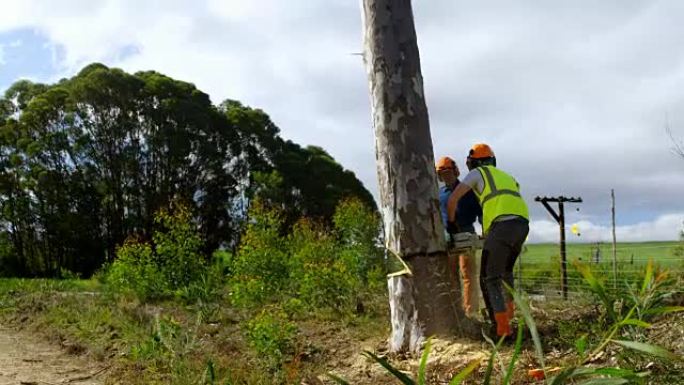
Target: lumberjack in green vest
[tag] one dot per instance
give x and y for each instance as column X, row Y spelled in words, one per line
column 505, row 225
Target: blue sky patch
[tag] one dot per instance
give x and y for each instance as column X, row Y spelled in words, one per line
column 27, row 54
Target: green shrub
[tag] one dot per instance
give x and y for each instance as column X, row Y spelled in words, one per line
column 358, row 229
column 272, row 336
column 178, row 247
column 324, row 274
column 169, row 265
column 294, row 308
column 135, row 271
column 260, row 267
column 168, row 343
column 323, row 267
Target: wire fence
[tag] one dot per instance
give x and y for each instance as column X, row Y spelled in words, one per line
column 540, row 275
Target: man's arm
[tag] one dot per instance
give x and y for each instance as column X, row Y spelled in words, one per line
column 455, row 196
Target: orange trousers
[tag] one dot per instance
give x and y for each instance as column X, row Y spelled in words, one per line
column 469, row 278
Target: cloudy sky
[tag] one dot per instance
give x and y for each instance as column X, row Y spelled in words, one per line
column 574, row 97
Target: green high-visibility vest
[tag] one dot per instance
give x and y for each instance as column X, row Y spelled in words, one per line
column 500, row 196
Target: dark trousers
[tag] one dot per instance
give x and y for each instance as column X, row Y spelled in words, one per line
column 501, row 249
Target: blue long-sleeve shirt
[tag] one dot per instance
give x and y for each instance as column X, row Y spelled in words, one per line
column 468, row 209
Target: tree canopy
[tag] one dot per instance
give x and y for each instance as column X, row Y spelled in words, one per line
column 86, row 162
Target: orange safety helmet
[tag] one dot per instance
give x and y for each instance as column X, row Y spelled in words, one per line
column 480, row 151
column 480, row 155
column 445, row 163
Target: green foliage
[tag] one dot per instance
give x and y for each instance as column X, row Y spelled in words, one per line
column 135, row 270
column 87, row 162
column 168, row 344
column 172, row 263
column 260, row 267
column 422, row 369
column 645, row 298
column 398, row 374
column 272, row 336
column 178, row 247
column 322, row 268
column 570, row 375
column 359, row 231
column 321, row 272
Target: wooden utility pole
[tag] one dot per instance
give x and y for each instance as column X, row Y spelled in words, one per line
column 425, row 297
column 560, row 219
column 612, row 199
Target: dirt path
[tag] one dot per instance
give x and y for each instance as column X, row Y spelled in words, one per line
column 26, row 360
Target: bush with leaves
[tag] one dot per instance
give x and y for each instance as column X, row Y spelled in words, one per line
column 321, row 272
column 135, row 271
column 178, row 246
column 259, row 269
column 170, row 263
column 359, row 232
column 272, row 336
column 323, row 267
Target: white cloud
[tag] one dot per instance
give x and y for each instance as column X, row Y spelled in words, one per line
column 572, row 96
column 663, row 228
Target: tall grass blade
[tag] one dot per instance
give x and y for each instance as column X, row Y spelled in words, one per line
column 605, row 381
column 621, row 374
column 648, row 277
column 663, row 310
column 490, row 367
column 581, row 346
column 516, row 353
column 597, row 288
column 463, row 374
column 210, row 373
column 406, row 380
column 617, row 372
column 635, row 322
column 495, row 351
column 423, row 362
column 653, row 350
column 529, row 321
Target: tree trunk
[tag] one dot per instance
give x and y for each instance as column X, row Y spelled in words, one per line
column 427, row 301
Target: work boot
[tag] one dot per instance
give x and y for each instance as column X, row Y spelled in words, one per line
column 503, row 324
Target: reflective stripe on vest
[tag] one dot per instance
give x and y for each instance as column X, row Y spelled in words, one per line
column 500, row 196
column 495, row 192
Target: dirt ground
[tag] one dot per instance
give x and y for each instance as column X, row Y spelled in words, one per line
column 27, row 360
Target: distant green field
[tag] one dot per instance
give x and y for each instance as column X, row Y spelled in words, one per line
column 539, row 265
column 639, row 253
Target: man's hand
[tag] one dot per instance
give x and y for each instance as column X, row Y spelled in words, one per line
column 452, row 228
column 452, row 203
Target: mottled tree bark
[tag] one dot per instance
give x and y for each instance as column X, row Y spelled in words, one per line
column 427, row 301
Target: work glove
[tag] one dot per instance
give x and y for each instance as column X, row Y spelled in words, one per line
column 450, row 241
column 452, row 228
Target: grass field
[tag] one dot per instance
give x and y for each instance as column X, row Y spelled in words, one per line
column 538, row 268
column 661, row 252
